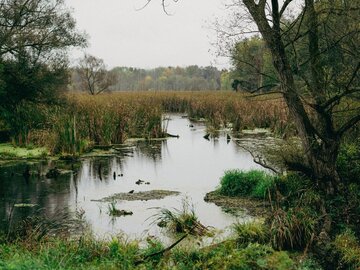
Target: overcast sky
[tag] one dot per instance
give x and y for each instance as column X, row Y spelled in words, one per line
column 123, row 36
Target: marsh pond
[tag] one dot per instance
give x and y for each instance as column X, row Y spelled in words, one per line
column 139, row 177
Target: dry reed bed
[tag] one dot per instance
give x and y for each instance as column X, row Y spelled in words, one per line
column 112, row 118
column 219, row 108
column 223, row 108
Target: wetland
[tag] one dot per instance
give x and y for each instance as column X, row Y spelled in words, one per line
column 140, row 176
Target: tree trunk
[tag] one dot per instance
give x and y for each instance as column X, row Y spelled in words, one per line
column 319, row 141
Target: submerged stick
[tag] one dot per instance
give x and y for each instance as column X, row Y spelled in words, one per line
column 172, row 135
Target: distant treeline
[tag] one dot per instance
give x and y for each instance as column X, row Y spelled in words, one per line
column 190, row 78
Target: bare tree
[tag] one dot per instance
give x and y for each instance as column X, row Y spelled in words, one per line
column 95, row 78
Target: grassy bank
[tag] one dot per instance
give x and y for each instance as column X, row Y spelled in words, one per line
column 8, row 151
column 88, row 253
column 248, row 248
column 294, row 219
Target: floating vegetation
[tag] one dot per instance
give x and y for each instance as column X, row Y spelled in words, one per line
column 139, row 196
column 114, row 212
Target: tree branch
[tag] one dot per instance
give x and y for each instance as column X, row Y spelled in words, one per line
column 283, row 8
column 257, row 159
column 348, row 125
column 347, row 91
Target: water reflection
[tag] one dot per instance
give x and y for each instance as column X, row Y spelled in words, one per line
column 188, row 164
column 34, row 191
column 151, row 149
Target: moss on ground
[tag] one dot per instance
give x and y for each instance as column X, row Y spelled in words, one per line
column 8, row 151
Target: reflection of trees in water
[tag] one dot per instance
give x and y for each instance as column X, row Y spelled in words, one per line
column 48, row 195
column 103, row 168
column 151, row 149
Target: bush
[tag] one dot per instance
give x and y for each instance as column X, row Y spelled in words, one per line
column 295, row 190
column 239, row 183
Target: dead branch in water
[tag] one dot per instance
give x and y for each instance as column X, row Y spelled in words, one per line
column 161, row 251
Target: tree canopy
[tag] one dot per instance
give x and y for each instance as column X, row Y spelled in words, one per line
column 34, row 38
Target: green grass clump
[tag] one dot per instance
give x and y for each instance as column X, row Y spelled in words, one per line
column 251, row 232
column 253, row 183
column 293, row 228
column 228, row 256
column 112, row 210
column 348, row 246
column 180, row 220
column 89, row 253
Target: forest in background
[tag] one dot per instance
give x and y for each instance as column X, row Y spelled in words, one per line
column 191, row 78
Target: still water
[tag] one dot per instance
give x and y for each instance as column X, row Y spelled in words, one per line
column 189, row 164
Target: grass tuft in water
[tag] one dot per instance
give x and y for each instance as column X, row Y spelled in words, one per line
column 182, row 220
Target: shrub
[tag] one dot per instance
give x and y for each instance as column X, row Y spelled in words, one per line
column 239, row 183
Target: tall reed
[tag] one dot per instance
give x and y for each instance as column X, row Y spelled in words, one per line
column 112, row 118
